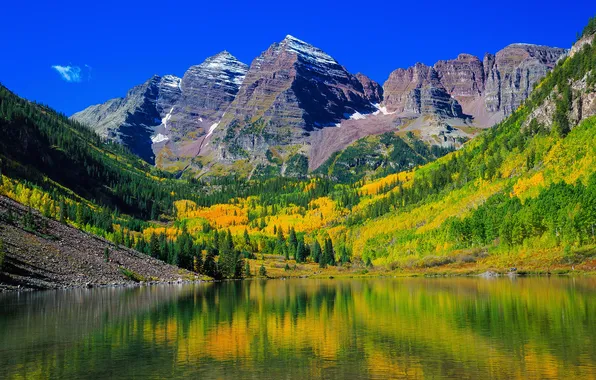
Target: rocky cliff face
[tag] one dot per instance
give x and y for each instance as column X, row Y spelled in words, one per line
column 372, row 90
column 512, row 73
column 463, row 77
column 498, row 84
column 207, row 90
column 418, row 90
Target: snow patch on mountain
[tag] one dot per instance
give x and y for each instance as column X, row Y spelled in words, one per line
column 224, row 67
column 381, row 110
column 159, row 138
column 211, row 129
column 171, row 81
column 164, row 121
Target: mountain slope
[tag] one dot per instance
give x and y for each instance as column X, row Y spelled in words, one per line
column 543, row 156
column 165, row 120
column 62, row 156
column 47, row 255
column 298, row 105
column 132, row 120
column 522, row 194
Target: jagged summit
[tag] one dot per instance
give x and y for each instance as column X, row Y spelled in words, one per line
column 221, row 67
column 306, row 50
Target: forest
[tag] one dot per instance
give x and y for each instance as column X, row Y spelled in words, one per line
column 525, row 186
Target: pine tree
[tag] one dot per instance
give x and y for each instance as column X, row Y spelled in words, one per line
column 63, row 211
column 328, row 254
column 292, row 240
column 28, row 220
column 246, row 238
column 106, row 254
column 228, row 259
column 300, row 252
column 210, row 266
column 154, row 248
column 262, row 271
column 316, row 252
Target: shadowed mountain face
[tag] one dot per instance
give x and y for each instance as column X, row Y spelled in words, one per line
column 132, row 120
column 297, row 101
column 169, row 112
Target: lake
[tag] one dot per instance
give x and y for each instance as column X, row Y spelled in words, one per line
column 465, row 328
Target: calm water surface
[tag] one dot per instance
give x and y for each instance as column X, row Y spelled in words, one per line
column 382, row 328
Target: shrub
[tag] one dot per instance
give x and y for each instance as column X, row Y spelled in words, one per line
column 131, row 275
column 436, row 261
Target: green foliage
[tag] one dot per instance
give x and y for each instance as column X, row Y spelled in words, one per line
column 378, row 156
column 590, row 28
column 131, row 275
column 297, row 166
column 263, row 271
column 106, row 254
column 29, row 221
column 316, row 252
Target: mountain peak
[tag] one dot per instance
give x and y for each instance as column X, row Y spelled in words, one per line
column 306, row 50
column 289, row 37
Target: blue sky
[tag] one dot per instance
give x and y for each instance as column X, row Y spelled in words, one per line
column 104, row 48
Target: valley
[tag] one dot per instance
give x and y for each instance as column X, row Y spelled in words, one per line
column 293, row 167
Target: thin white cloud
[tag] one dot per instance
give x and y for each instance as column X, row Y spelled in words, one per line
column 69, row 73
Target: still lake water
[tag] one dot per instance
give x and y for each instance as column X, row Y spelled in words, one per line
column 355, row 328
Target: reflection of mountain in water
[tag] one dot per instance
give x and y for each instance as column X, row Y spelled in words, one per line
column 307, row 328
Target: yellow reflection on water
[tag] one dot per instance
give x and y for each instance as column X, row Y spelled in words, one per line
column 377, row 328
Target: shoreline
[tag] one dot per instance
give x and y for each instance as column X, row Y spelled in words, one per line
column 487, row 275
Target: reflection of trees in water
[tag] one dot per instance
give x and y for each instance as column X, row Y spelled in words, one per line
column 378, row 327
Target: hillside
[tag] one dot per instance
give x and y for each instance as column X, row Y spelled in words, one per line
column 521, row 195
column 39, row 253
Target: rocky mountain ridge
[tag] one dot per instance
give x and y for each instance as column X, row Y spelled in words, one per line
column 297, row 103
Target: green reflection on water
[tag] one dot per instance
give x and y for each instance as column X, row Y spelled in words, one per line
column 379, row 328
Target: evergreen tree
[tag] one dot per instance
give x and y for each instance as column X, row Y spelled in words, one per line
column 316, row 252
column 328, row 253
column 154, row 247
column 210, row 266
column 292, row 240
column 263, row 271
column 28, row 220
column 198, row 261
column 301, row 251
column 106, row 254
column 246, row 238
